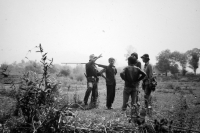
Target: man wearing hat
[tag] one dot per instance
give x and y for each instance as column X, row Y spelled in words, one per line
column 110, row 71
column 92, row 80
column 148, row 69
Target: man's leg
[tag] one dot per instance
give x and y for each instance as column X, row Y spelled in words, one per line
column 109, row 96
column 94, row 93
column 135, row 109
column 137, row 92
column 126, row 93
column 113, row 93
column 87, row 94
column 133, row 96
column 147, row 96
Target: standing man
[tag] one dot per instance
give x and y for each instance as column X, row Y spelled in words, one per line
column 146, row 82
column 110, row 71
column 131, row 76
column 137, row 64
column 92, row 80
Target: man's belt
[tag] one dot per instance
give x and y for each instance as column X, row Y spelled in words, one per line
column 91, row 79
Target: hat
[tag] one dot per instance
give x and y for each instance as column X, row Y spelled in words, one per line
column 146, row 56
column 92, row 56
column 135, row 54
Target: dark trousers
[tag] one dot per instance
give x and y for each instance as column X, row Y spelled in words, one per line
column 110, row 95
column 147, row 95
column 128, row 91
column 94, row 95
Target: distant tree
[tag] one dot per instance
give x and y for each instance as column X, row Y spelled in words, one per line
column 130, row 49
column 33, row 66
column 184, row 71
column 181, row 58
column 79, row 69
column 174, row 69
column 53, row 69
column 163, row 64
column 193, row 56
column 65, row 72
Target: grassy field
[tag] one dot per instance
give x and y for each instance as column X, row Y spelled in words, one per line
column 174, row 100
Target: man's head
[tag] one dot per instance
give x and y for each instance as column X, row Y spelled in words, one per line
column 111, row 61
column 92, row 57
column 131, row 60
column 135, row 55
column 145, row 58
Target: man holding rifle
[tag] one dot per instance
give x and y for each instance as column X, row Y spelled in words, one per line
column 92, row 80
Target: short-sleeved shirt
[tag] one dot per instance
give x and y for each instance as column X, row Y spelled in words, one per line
column 110, row 71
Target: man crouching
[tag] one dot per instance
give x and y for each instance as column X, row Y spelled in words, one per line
column 131, row 76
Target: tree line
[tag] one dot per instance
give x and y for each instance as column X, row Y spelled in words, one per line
column 16, row 68
column 168, row 61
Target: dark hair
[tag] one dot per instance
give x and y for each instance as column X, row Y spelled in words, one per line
column 111, row 59
column 135, row 54
column 131, row 60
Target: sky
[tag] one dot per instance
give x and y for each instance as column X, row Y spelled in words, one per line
column 71, row 30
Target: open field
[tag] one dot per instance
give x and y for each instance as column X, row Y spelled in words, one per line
column 174, row 100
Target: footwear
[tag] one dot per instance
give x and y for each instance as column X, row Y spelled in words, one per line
column 109, row 108
column 123, row 110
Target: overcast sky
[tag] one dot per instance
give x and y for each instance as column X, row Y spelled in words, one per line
column 71, row 30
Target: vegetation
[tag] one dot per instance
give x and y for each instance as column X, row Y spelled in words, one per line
column 168, row 61
column 46, row 103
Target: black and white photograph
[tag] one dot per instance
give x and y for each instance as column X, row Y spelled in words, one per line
column 99, row 66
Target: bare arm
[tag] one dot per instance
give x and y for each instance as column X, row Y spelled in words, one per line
column 143, row 75
column 139, row 65
column 97, row 58
column 122, row 74
column 103, row 66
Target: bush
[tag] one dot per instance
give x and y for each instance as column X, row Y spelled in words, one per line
column 190, row 74
column 79, row 77
column 65, row 72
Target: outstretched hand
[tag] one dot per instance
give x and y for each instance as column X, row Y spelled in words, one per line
column 99, row 56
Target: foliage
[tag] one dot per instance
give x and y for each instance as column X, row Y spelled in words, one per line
column 33, row 66
column 130, row 49
column 184, row 71
column 79, row 77
column 53, row 69
column 193, row 56
column 65, row 72
column 181, row 58
column 163, row 63
column 174, row 69
column 35, row 99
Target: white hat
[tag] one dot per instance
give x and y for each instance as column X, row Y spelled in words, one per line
column 92, row 56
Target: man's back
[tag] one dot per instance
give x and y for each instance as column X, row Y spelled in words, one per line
column 131, row 75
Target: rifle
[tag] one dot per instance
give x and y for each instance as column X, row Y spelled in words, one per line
column 73, row 63
column 86, row 63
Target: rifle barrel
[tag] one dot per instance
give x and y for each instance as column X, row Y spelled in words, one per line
column 73, row 63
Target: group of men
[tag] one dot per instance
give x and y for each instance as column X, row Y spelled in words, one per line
column 132, row 75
